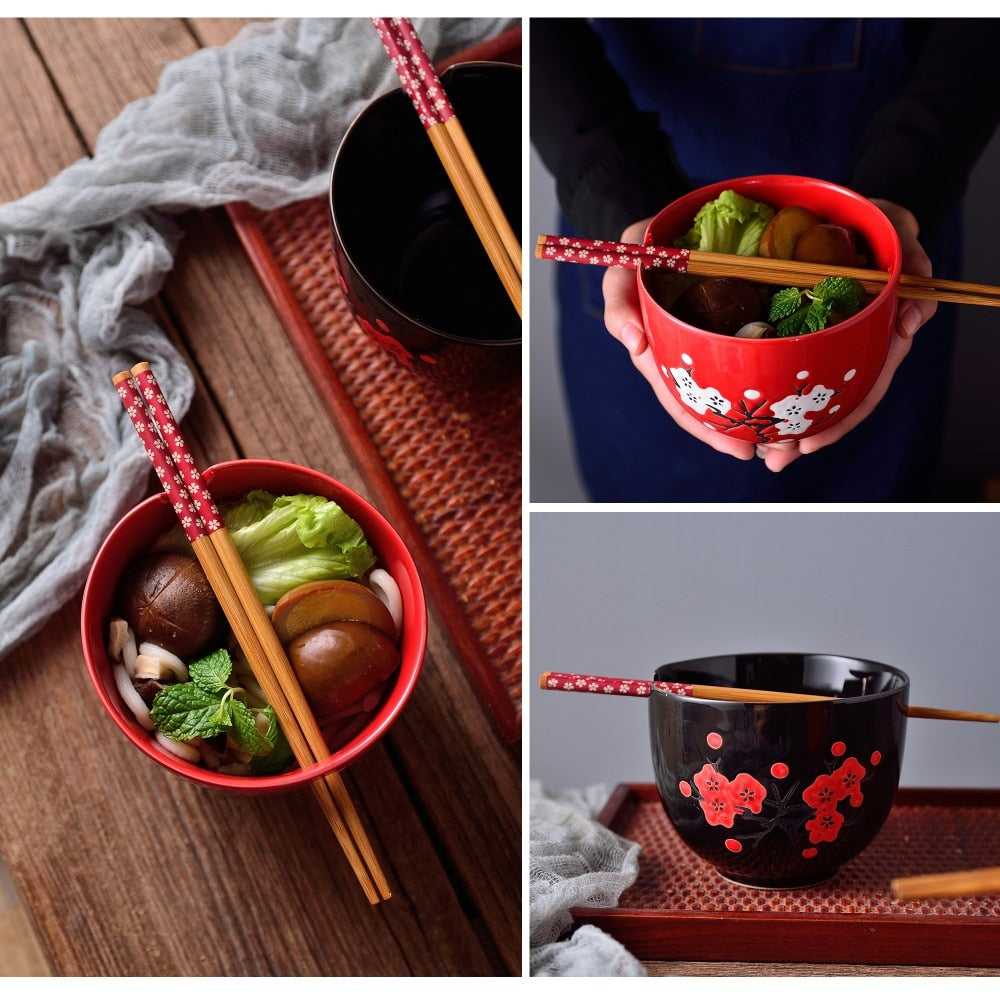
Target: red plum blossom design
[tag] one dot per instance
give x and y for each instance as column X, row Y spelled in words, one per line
column 722, row 800
column 826, row 793
column 815, row 817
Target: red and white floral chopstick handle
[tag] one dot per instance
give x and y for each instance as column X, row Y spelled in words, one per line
column 170, row 431
column 605, row 253
column 160, row 455
column 416, row 73
column 596, row 684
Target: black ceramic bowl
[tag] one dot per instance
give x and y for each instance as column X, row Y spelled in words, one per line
column 779, row 795
column 415, row 274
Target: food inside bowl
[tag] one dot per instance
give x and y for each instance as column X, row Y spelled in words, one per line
column 337, row 613
column 736, row 307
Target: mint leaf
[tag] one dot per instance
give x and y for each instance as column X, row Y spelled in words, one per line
column 223, row 714
column 245, row 733
column 791, row 326
column 280, row 757
column 816, row 315
column 793, row 311
column 186, row 711
column 845, row 295
column 783, row 304
column 211, row 672
column 207, row 706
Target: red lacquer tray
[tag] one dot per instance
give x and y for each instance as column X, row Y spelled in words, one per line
column 443, row 464
column 680, row 909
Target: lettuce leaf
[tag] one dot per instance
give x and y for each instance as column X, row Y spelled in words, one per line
column 285, row 541
column 729, row 224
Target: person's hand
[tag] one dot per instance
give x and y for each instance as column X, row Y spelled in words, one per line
column 623, row 318
column 911, row 316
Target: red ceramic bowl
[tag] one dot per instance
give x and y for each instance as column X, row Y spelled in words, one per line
column 784, row 389
column 136, row 531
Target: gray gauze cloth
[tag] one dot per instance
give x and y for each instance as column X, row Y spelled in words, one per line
column 575, row 862
column 258, row 120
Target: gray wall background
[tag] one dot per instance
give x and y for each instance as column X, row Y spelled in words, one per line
column 972, row 421
column 621, row 593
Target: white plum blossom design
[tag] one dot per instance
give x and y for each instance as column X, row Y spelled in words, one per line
column 790, row 416
column 694, row 396
column 792, row 410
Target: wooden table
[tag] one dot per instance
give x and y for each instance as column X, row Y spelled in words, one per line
column 122, row 869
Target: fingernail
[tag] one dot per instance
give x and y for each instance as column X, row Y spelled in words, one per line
column 632, row 337
column 909, row 321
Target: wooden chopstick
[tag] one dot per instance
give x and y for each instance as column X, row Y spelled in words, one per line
column 421, row 83
column 404, row 45
column 595, row 684
column 328, row 793
column 943, row 885
column 227, row 575
column 277, row 678
column 637, row 256
column 916, row 712
column 279, row 683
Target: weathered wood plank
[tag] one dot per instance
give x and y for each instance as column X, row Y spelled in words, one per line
column 131, row 871
column 99, row 65
column 36, row 138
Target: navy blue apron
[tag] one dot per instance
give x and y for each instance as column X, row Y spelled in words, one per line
column 742, row 97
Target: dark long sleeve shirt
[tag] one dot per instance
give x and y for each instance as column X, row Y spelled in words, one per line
column 613, row 164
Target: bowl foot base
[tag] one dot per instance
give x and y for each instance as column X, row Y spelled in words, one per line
column 750, row 882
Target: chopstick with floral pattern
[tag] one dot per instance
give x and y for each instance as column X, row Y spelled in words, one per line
column 679, row 260
column 596, row 684
column 421, row 84
column 193, row 504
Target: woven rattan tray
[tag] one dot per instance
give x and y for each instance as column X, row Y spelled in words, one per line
column 679, row 908
column 443, row 464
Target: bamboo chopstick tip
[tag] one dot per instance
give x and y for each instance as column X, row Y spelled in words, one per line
column 142, row 366
column 947, row 885
column 898, row 888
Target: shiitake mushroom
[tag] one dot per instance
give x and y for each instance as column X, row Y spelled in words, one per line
column 167, row 599
column 721, row 305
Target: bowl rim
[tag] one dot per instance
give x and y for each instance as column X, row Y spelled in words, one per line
column 398, row 95
column 712, row 190
column 897, row 690
column 415, row 628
